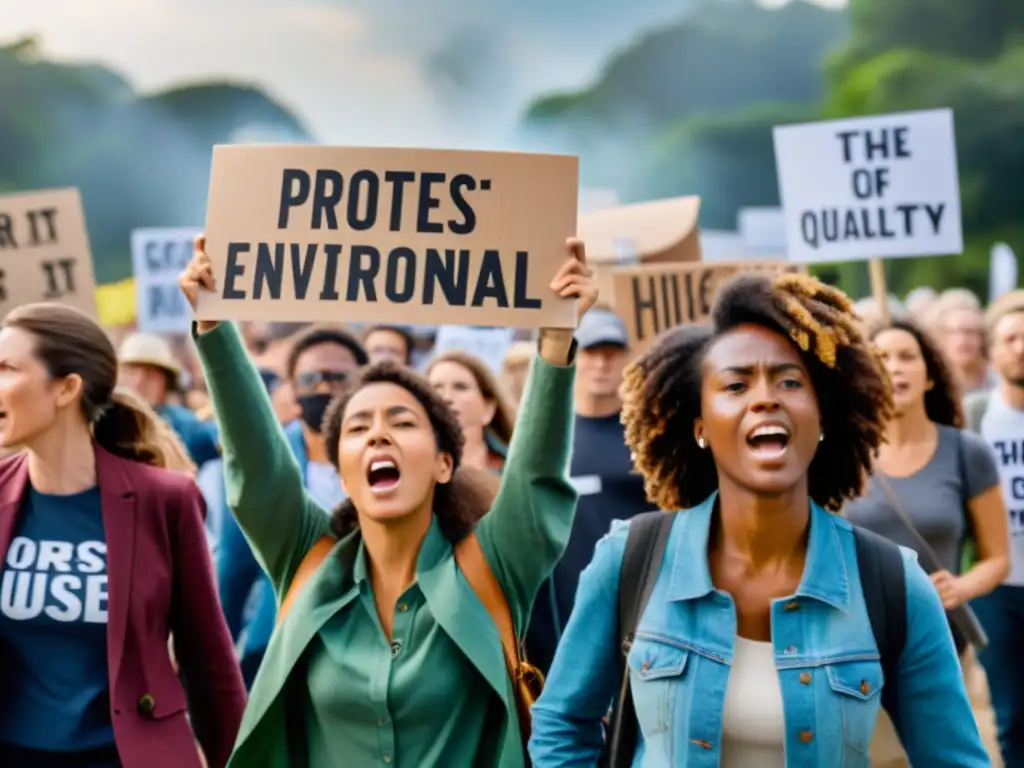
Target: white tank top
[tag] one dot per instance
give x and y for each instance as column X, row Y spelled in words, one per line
column 753, row 721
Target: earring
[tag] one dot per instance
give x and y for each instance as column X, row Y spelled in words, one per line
column 821, row 437
column 701, row 442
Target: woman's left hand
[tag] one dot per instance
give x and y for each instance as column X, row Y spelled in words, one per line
column 950, row 589
column 574, row 279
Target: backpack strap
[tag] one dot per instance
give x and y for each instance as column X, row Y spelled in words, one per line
column 312, row 560
column 641, row 562
column 884, row 584
column 469, row 556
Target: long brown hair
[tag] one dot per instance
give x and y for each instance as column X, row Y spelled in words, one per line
column 942, row 401
column 69, row 342
column 504, row 415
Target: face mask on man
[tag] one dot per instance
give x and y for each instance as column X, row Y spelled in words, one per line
column 314, row 407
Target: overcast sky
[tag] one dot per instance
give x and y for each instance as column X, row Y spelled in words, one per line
column 439, row 73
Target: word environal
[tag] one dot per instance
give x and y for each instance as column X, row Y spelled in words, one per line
column 870, row 187
column 391, row 235
column 44, row 251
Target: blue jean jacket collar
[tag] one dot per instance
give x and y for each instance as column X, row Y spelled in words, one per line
column 825, row 573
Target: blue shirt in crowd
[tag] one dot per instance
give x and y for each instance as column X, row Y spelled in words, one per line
column 53, row 627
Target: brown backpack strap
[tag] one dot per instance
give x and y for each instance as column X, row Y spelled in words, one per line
column 313, row 559
column 474, row 566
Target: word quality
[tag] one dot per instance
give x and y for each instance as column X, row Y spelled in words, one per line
column 870, row 156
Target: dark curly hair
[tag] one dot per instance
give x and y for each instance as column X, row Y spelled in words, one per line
column 458, row 504
column 942, row 401
column 662, row 390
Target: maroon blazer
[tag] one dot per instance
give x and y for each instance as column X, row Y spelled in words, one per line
column 159, row 580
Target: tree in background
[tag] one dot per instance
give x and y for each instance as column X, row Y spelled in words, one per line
column 923, row 54
column 689, row 109
column 139, row 160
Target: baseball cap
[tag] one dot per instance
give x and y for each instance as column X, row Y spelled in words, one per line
column 600, row 326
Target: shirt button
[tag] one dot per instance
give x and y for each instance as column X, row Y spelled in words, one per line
column 395, row 648
column 387, row 758
column 382, row 721
column 792, row 605
column 806, row 736
column 790, row 650
column 805, row 678
column 403, row 607
column 865, row 687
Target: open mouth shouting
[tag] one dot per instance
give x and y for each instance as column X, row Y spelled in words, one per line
column 769, row 441
column 383, row 475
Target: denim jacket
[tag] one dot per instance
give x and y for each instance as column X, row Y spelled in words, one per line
column 825, row 654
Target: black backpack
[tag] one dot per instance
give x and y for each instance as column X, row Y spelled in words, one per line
column 885, row 594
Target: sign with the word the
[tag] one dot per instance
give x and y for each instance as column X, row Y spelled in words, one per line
column 158, row 257
column 870, row 187
column 652, row 298
column 44, row 251
column 488, row 344
column 300, row 233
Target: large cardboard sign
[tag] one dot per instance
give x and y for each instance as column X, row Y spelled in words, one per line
column 300, row 233
column 158, row 258
column 650, row 232
column 44, row 251
column 870, row 187
column 652, row 298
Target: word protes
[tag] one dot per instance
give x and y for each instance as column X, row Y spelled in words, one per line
column 371, row 196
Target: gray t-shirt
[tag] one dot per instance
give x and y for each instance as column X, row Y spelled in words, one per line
column 932, row 498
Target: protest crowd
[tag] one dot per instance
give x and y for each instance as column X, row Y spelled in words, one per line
column 661, row 513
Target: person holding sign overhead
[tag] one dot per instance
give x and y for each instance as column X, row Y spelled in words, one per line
column 104, row 556
column 385, row 653
column 768, row 634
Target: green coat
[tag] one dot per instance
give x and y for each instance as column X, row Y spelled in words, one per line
column 529, row 529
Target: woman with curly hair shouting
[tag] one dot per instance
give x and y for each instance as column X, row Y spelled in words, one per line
column 757, row 646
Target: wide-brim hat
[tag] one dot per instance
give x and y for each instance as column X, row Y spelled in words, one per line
column 149, row 349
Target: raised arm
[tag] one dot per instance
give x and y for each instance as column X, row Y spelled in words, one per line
column 527, row 529
column 586, row 672
column 264, row 489
column 936, row 724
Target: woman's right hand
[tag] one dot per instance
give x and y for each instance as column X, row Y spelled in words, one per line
column 198, row 275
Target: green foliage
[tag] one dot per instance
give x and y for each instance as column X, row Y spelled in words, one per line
column 723, row 56
column 689, row 109
column 727, row 159
column 139, row 160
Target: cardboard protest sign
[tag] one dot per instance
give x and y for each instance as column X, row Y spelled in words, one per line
column 44, row 251
column 654, row 231
column 300, row 233
column 651, row 298
column 870, row 187
column 158, row 257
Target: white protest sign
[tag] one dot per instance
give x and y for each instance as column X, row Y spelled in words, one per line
column 302, row 233
column 870, row 187
column 763, row 230
column 1002, row 271
column 489, row 344
column 158, row 258
column 44, row 251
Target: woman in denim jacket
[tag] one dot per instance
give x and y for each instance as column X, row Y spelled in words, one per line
column 756, row 648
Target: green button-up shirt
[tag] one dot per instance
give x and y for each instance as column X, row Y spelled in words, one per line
column 331, row 691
